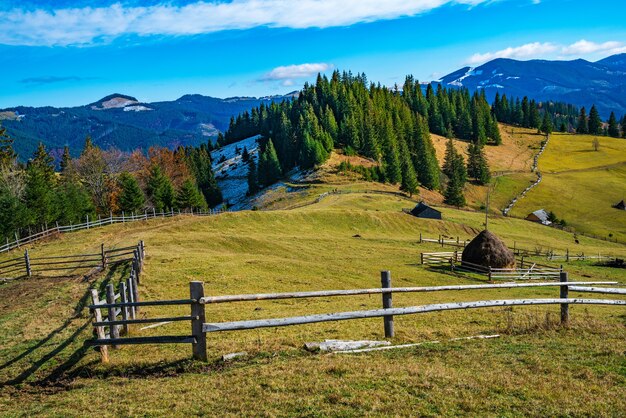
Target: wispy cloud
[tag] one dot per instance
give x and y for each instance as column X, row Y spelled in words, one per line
column 530, row 50
column 287, row 74
column 51, row 79
column 550, row 50
column 89, row 25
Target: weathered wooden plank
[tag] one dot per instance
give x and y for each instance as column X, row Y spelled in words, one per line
column 164, row 339
column 113, row 329
column 158, row 303
column 144, row 321
column 351, row 292
column 341, row 316
column 196, row 292
column 611, row 291
column 104, row 351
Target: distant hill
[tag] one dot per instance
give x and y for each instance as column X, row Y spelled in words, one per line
column 578, row 82
column 125, row 122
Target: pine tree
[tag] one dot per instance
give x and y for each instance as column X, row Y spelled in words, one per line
column 582, row 127
column 477, row 167
column 189, row 197
column 409, row 178
column 269, row 166
column 159, row 189
column 546, row 124
column 131, row 198
column 425, row 158
column 613, row 127
column 595, row 123
column 253, row 178
column 563, row 127
column 454, row 169
column 40, row 184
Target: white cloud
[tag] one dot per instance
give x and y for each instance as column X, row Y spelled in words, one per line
column 550, row 50
column 531, row 50
column 88, row 25
column 288, row 72
column 586, row 47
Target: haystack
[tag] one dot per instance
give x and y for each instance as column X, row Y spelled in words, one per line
column 488, row 250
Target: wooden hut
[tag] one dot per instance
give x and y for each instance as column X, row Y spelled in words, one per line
column 422, row 210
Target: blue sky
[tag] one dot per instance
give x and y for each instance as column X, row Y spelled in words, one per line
column 73, row 52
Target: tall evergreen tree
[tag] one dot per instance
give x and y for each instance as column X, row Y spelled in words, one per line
column 582, row 127
column 477, row 167
column 546, row 124
column 7, row 155
column 595, row 123
column 269, row 166
column 159, row 189
column 40, row 186
column 613, row 127
column 131, row 198
column 454, row 169
column 253, row 178
column 189, row 197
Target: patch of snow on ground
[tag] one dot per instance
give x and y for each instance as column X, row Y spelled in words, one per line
column 232, row 173
column 137, row 108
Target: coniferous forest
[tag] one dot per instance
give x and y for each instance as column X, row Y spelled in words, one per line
column 391, row 126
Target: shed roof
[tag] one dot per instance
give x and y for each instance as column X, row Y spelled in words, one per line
column 421, row 207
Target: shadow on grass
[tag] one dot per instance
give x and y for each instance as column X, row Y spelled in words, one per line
column 75, row 357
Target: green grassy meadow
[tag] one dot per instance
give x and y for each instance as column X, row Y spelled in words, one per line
column 580, row 185
column 536, row 367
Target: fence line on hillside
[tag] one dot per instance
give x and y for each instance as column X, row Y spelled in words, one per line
column 128, row 293
column 27, row 265
column 549, row 254
column 123, row 218
column 523, row 269
column 198, row 302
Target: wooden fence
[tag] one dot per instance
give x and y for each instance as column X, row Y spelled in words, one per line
column 524, row 269
column 27, row 265
column 94, row 223
column 550, row 254
column 198, row 301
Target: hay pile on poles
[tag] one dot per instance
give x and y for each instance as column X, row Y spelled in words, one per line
column 486, row 249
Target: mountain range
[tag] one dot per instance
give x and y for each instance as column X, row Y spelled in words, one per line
column 578, row 82
column 124, row 122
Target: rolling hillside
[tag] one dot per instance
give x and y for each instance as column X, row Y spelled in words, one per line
column 341, row 242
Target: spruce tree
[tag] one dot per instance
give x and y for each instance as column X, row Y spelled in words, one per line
column 613, row 127
column 253, row 178
column 595, row 123
column 582, row 127
column 269, row 166
column 131, row 198
column 477, row 167
column 454, row 169
column 546, row 124
column 189, row 197
column 40, row 185
column 409, row 178
column 160, row 189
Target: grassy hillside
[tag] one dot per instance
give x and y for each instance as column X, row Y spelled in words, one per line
column 580, row 185
column 535, row 367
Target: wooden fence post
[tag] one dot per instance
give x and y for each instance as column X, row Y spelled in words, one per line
column 87, row 221
column 123, row 217
column 135, row 286
column 385, row 279
column 114, row 331
column 97, row 313
column 489, row 273
column 420, row 237
column 124, row 299
column 27, row 262
column 130, row 298
column 196, row 292
column 422, row 258
column 143, row 249
column 17, row 240
column 563, row 277
column 103, row 256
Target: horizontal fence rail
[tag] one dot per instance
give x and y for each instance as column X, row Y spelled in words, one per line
column 340, row 316
column 49, row 232
column 27, row 265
